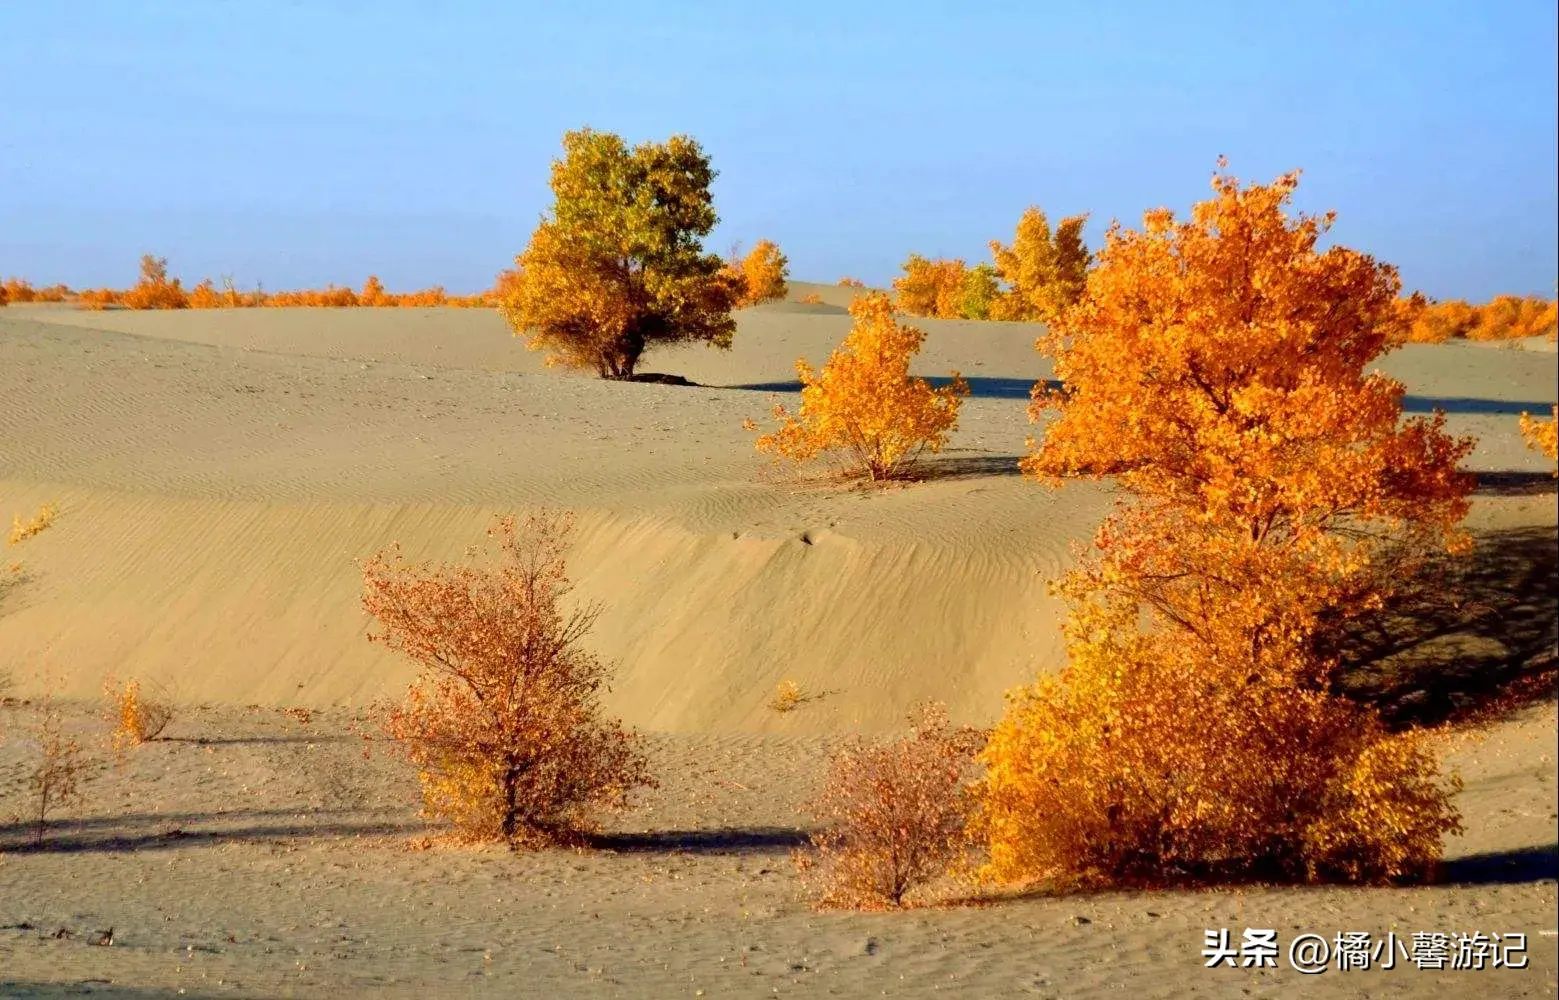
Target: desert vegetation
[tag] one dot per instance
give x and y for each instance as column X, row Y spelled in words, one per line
column 1504, row 317
column 504, row 725
column 761, row 274
column 1215, row 367
column 864, row 405
column 618, row 265
column 1542, row 436
column 135, row 716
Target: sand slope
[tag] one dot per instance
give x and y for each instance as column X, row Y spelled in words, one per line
column 220, row 473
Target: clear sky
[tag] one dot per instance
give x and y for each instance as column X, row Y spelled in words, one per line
column 297, row 143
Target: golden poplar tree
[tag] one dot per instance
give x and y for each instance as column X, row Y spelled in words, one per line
column 618, row 265
column 1044, row 272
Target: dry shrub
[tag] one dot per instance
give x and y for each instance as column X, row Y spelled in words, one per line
column 39, row 522
column 137, row 718
column 1219, row 369
column 864, row 403
column 1542, row 436
column 932, row 288
column 811, row 299
column 787, row 695
column 848, row 282
column 892, row 815
column 504, row 724
column 56, row 781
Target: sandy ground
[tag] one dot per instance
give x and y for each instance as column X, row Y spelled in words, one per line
column 219, row 473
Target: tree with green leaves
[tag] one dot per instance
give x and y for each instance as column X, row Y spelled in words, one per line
column 618, row 265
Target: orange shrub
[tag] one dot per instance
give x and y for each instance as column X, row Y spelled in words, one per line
column 932, row 288
column 893, row 815
column 864, row 402
column 1044, row 272
column 763, row 273
column 136, row 718
column 1218, row 368
column 1504, row 317
column 811, row 299
column 1144, row 762
column 504, row 724
column 18, row 291
column 1542, row 436
column 155, row 290
column 848, row 282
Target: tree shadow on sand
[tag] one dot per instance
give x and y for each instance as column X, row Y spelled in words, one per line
column 163, row 831
column 1467, row 637
column 730, row 840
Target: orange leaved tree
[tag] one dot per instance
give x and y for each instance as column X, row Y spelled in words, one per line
column 619, row 265
column 932, row 288
column 1044, row 271
column 155, row 290
column 504, row 725
column 864, row 402
column 1216, row 367
column 763, row 271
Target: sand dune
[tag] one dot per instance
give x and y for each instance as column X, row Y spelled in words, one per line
column 220, row 473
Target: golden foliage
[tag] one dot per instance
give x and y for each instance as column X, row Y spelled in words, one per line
column 762, row 272
column 39, row 522
column 155, row 290
column 892, row 815
column 1144, row 762
column 864, row 402
column 1217, row 367
column 787, row 695
column 812, row 299
column 136, row 718
column 504, row 724
column 1505, row 317
column 1542, row 436
column 618, row 265
column 931, row 288
column 1044, row 272
column 849, row 282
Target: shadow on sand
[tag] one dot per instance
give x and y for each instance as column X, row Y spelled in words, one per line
column 1467, row 635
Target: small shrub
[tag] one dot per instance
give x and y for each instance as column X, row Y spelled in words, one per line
column 811, row 299
column 56, row 781
column 39, row 522
column 787, row 695
column 504, row 725
column 1542, row 436
column 864, row 403
column 155, row 290
column 892, row 815
column 763, row 273
column 848, row 282
column 135, row 717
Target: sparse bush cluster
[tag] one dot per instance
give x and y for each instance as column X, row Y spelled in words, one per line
column 504, row 726
column 1542, row 436
column 1040, row 274
column 1504, row 317
column 892, row 815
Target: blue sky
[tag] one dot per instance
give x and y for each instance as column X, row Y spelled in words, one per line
column 300, row 143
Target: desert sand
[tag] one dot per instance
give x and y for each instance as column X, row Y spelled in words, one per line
column 220, row 473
